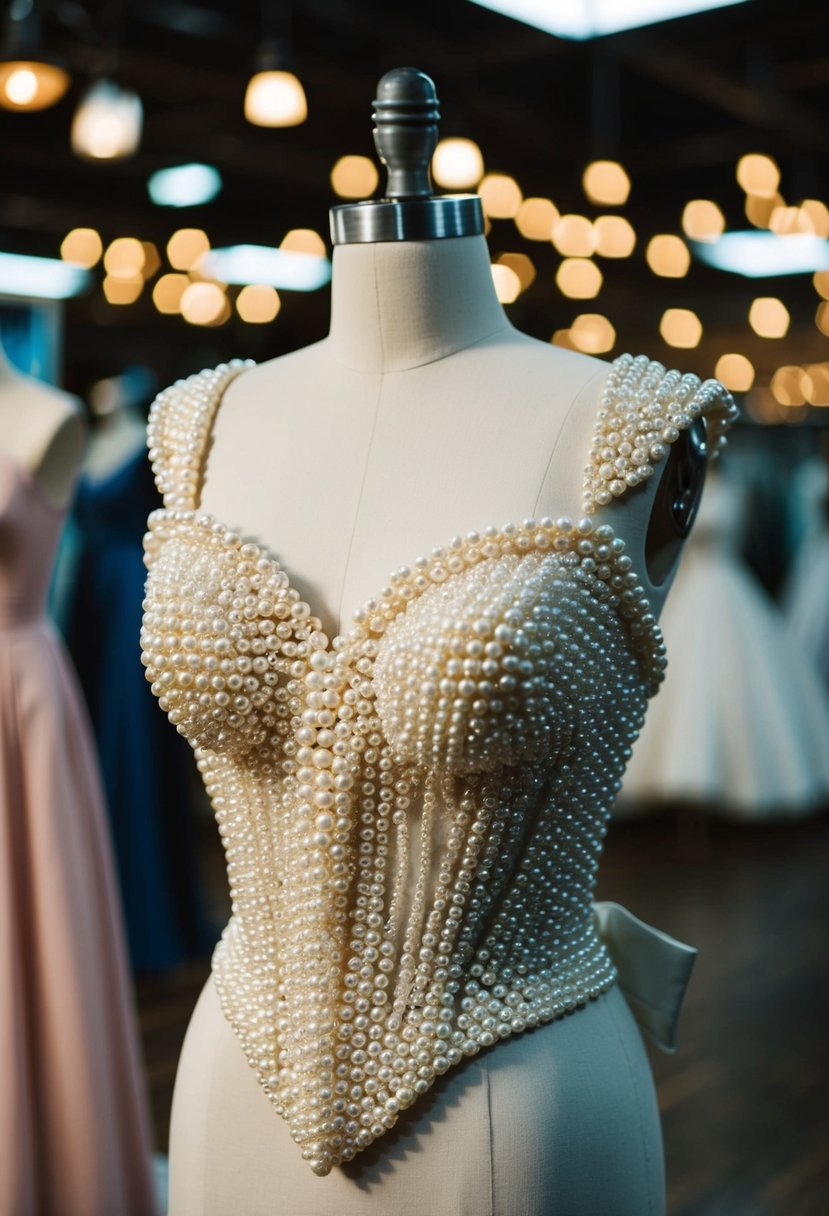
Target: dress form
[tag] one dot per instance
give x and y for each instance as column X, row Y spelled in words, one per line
column 42, row 428
column 119, row 430
column 74, row 1125
column 422, row 415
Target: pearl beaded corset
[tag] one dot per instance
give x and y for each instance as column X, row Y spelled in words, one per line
column 413, row 812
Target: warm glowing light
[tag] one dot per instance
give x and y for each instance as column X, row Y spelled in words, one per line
column 304, row 240
column 574, row 236
column 758, row 174
column 536, row 219
column 500, row 196
column 152, row 262
column 592, row 333
column 275, row 99
column 31, row 85
column 83, row 246
column 124, row 259
column 107, row 123
column 168, row 291
column 507, row 283
column 605, row 181
column 204, row 304
column 822, row 318
column 815, row 383
column 788, row 387
column 821, row 282
column 789, row 221
column 702, row 220
column 185, row 247
column 561, row 337
column 759, row 208
column 521, row 264
column 680, row 327
column 736, row 372
column 123, row 289
column 668, row 256
column 457, row 164
column 615, row 237
column 768, row 317
column 21, row 87
column 354, row 177
column 579, row 278
column 258, row 304
column 818, row 213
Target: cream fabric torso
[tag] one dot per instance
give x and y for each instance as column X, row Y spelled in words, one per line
column 404, row 477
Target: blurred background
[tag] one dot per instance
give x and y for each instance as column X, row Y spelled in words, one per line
column 653, row 182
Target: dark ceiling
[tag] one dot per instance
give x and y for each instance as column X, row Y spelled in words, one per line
column 677, row 103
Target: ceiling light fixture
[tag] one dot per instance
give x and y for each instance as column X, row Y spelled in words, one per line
column 761, row 255
column 457, row 164
column 583, row 19
column 354, row 177
column 41, row 278
column 29, row 79
column 184, row 185
column 274, row 96
column 605, row 181
column 107, row 123
column 262, row 264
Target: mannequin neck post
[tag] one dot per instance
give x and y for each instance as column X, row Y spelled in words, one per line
column 398, row 305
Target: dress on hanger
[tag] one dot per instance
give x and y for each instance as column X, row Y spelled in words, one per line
column 742, row 723
column 412, row 812
column 148, row 804
column 74, row 1124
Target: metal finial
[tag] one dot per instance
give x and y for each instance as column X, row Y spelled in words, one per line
column 406, row 113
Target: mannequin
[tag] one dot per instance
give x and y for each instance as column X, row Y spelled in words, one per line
column 119, row 423
column 42, row 428
column 422, row 415
column 74, row 1125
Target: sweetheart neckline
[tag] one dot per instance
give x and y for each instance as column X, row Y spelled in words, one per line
column 492, row 533
column 631, row 603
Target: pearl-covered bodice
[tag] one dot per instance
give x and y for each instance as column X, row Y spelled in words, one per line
column 412, row 812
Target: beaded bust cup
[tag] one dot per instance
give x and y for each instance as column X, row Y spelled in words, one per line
column 412, row 812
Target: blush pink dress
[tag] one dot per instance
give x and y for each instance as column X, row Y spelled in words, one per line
column 74, row 1126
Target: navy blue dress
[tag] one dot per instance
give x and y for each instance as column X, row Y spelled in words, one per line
column 146, row 768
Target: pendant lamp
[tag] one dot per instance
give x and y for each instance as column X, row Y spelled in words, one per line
column 29, row 78
column 107, row 123
column 274, row 96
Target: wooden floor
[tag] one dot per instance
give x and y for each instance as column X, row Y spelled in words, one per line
column 745, row 1101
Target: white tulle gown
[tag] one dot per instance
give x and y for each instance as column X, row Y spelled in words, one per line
column 741, row 724
column 806, row 596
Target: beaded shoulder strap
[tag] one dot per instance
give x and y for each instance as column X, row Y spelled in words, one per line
column 178, row 431
column 644, row 408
